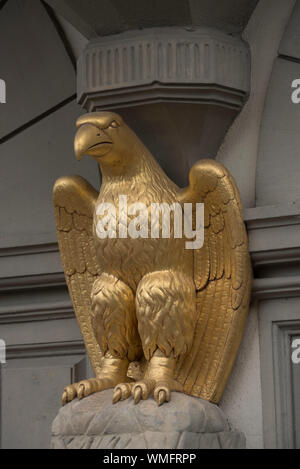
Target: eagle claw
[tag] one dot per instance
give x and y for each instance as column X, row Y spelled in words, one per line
column 122, row 392
column 137, row 394
column 161, row 399
column 70, row 392
column 86, row 388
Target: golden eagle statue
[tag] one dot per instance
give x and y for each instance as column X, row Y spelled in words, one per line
column 148, row 308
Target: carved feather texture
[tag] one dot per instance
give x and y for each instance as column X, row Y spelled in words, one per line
column 74, row 200
column 222, row 275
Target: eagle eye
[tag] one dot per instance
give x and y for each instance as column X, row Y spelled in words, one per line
column 114, row 125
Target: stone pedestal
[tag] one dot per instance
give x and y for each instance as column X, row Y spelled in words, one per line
column 184, row 423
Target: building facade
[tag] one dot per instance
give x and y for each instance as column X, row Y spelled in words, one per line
column 194, row 79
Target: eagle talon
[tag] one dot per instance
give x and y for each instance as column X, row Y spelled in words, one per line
column 162, row 393
column 162, row 397
column 80, row 393
column 64, row 398
column 69, row 394
column 142, row 390
column 122, row 392
column 137, row 394
column 117, row 396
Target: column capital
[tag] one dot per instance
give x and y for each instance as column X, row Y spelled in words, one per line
column 171, row 64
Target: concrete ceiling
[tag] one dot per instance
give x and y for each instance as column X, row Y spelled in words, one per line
column 102, row 17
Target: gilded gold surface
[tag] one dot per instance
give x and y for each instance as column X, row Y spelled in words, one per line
column 168, row 317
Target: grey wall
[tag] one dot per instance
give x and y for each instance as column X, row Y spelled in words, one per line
column 278, row 158
column 242, row 400
column 262, row 151
column 240, row 148
column 277, row 195
column 45, row 350
column 115, row 16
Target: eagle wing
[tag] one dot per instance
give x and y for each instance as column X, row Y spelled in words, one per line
column 74, row 201
column 223, row 277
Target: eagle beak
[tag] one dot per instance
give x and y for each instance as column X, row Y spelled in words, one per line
column 88, row 141
column 84, row 138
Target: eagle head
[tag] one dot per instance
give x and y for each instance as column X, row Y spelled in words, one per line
column 105, row 137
